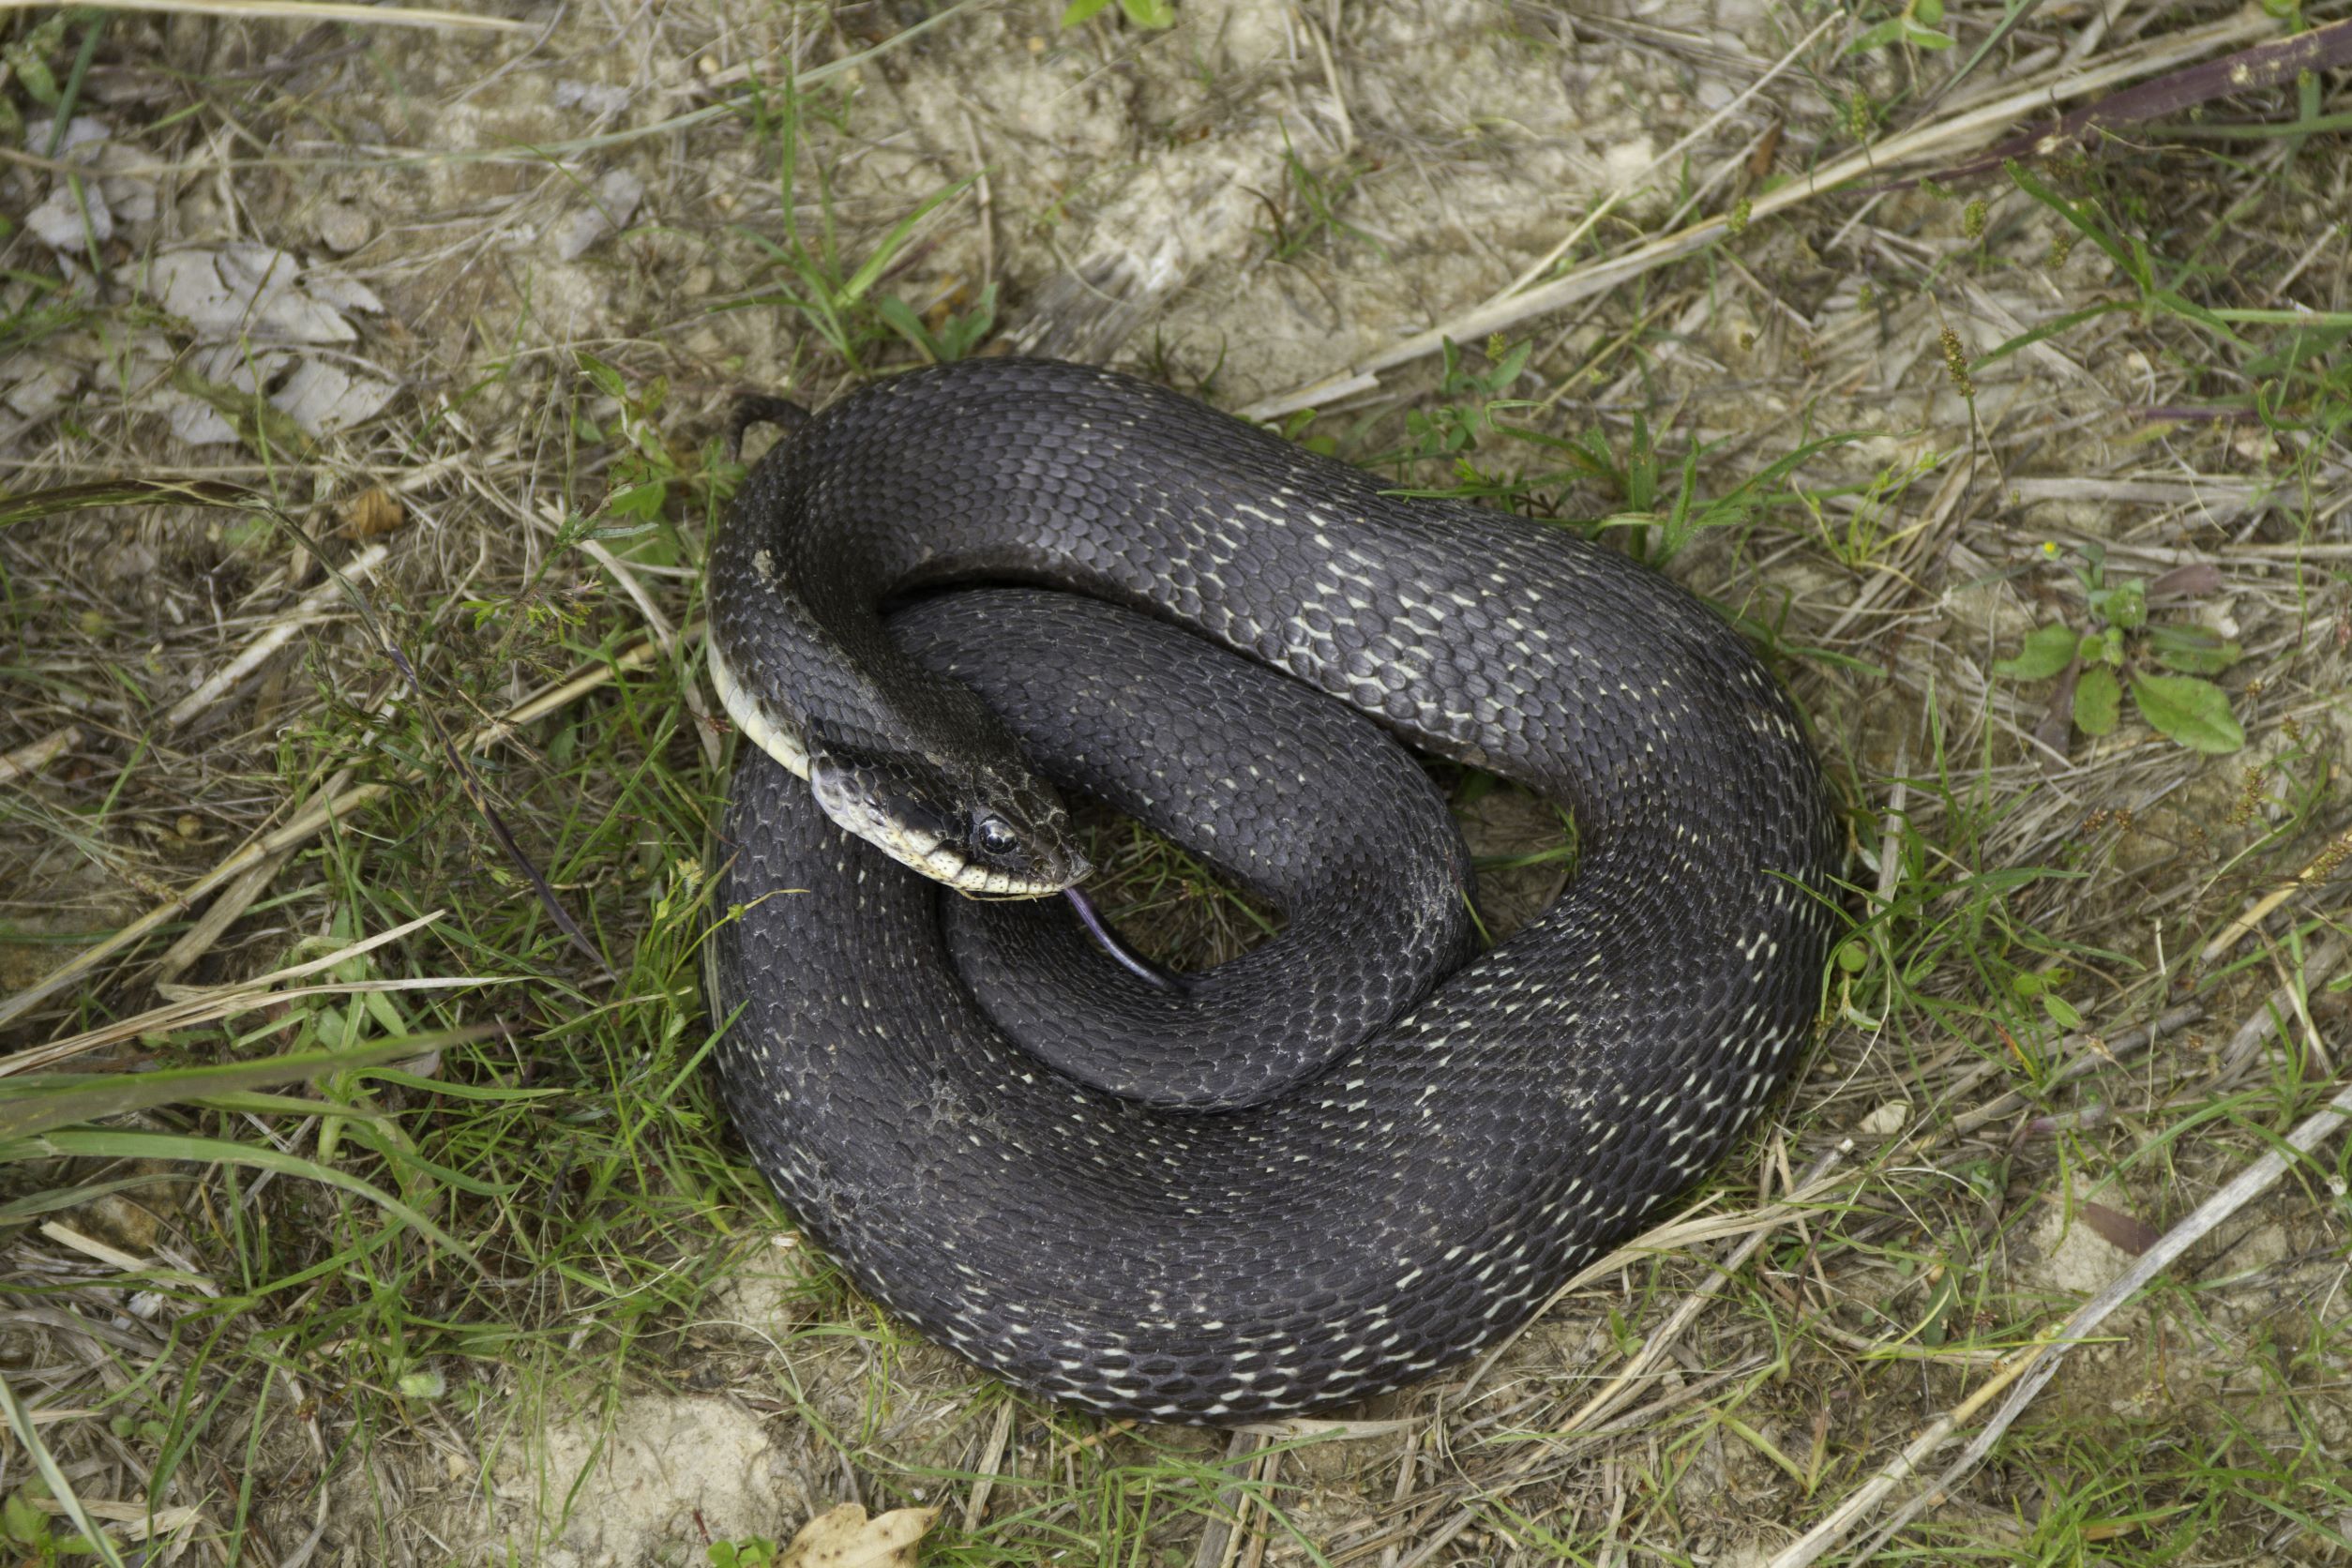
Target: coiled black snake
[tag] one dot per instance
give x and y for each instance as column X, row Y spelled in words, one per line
column 1333, row 1230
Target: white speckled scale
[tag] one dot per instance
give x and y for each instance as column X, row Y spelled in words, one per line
column 1341, row 1229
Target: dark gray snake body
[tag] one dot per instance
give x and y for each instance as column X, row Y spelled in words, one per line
column 1360, row 1224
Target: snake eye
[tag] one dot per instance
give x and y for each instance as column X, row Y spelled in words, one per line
column 995, row 835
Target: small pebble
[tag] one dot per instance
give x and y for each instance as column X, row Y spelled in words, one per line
column 343, row 228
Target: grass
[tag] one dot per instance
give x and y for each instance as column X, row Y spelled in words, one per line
column 401, row 1304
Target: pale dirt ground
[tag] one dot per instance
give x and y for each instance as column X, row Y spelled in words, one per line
column 470, row 213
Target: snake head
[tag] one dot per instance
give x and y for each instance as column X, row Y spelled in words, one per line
column 994, row 835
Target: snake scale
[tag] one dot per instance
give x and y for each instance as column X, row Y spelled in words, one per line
column 1253, row 1227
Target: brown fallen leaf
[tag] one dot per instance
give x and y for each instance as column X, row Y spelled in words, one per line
column 846, row 1538
column 372, row 512
column 2119, row 1229
column 2197, row 576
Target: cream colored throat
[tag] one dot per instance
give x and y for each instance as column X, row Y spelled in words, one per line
column 765, row 728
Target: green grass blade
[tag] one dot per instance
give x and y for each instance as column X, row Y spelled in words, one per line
column 2048, row 329
column 115, row 1143
column 28, row 1438
column 866, row 276
column 87, row 1100
column 2026, row 182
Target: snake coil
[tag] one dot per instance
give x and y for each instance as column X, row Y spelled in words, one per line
column 1261, row 1229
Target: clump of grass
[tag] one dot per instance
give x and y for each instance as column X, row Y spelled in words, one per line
column 839, row 301
column 1311, row 214
column 1179, row 911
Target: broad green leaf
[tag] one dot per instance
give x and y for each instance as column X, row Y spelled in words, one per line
column 2194, row 650
column 1947, row 1294
column 608, row 378
column 2097, row 701
column 2047, row 651
column 1878, row 37
column 2125, row 605
column 1641, row 468
column 1513, row 364
column 2061, row 1011
column 2297, row 347
column 1082, row 10
column 2196, row 713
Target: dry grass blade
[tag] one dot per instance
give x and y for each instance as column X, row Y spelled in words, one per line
column 311, row 608
column 36, row 755
column 315, row 818
column 2290, row 1000
column 1221, row 1539
column 2037, row 1365
column 2084, row 1054
column 191, row 1006
column 303, row 970
column 1931, row 140
column 1755, row 1230
column 37, row 1115
column 2249, row 70
column 20, row 1422
column 304, row 824
column 306, row 11
column 227, row 908
column 2315, row 872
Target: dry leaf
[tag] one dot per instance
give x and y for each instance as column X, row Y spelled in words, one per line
column 322, row 397
column 91, row 208
column 47, row 386
column 2119, row 1229
column 246, row 303
column 372, row 511
column 2197, row 576
column 614, row 203
column 71, row 219
column 231, row 289
column 318, row 397
column 846, row 1538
